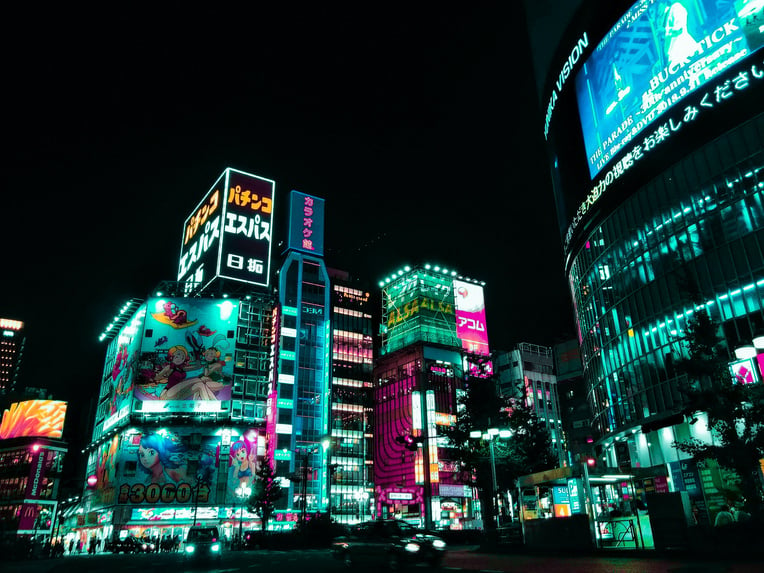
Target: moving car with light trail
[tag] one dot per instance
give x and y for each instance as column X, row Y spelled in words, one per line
column 203, row 542
column 392, row 543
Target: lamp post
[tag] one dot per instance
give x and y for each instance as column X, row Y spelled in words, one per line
column 490, row 435
column 306, row 451
column 242, row 492
column 362, row 497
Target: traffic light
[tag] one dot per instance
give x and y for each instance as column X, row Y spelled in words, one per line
column 409, row 442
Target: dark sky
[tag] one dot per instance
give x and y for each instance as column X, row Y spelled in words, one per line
column 419, row 126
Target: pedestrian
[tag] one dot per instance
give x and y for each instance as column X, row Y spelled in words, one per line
column 71, row 546
column 741, row 514
column 79, row 546
column 724, row 517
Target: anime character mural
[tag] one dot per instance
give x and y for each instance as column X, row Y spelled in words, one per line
column 162, row 466
column 106, row 471
column 162, row 458
column 122, row 376
column 242, row 464
column 180, row 363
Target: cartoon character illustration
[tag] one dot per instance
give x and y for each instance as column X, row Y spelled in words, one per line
column 204, row 331
column 681, row 45
column 173, row 374
column 202, row 387
column 243, row 457
column 162, row 458
column 174, row 316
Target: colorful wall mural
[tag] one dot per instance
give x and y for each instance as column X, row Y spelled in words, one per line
column 187, row 353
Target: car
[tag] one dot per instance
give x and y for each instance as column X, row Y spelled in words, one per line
column 130, row 544
column 203, row 542
column 393, row 543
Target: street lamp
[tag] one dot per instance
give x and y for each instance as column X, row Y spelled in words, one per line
column 490, row 435
column 362, row 497
column 242, row 492
column 306, row 451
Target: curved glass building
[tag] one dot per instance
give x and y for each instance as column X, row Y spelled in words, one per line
column 655, row 131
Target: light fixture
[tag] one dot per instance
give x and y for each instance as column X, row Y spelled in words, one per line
column 758, row 341
column 743, row 352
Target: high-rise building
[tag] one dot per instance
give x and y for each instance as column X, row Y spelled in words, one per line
column 182, row 405
column 352, row 415
column 528, row 371
column 433, row 330
column 298, row 418
column 654, row 126
column 11, row 353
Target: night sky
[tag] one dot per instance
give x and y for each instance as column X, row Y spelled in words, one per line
column 420, row 127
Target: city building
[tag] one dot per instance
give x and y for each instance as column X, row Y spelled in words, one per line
column 31, row 462
column 352, row 415
column 652, row 116
column 528, row 370
column 574, row 407
column 298, row 419
column 433, row 339
column 11, row 353
column 182, row 408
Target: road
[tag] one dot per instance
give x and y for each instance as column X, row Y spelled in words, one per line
column 320, row 561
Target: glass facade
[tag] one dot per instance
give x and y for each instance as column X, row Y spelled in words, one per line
column 692, row 238
column 351, row 482
column 302, row 405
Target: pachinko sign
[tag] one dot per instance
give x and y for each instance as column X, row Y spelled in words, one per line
column 229, row 233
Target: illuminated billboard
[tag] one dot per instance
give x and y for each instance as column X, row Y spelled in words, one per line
column 200, row 248
column 470, row 317
column 229, row 233
column 655, row 55
column 186, row 361
column 161, row 466
column 33, row 418
column 306, row 223
column 246, row 249
column 120, row 367
column 745, row 371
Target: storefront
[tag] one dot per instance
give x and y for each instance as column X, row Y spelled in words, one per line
column 570, row 508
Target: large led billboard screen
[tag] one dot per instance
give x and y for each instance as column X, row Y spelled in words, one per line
column 186, row 361
column 33, row 418
column 306, row 223
column 229, row 233
column 655, row 55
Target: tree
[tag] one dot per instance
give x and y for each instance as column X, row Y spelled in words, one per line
column 266, row 491
column 735, row 411
column 528, row 450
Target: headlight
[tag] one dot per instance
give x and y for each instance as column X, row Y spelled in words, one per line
column 144, row 547
column 438, row 544
column 215, row 547
column 411, row 547
column 190, row 548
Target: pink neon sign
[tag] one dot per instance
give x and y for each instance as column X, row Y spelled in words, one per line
column 470, row 317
